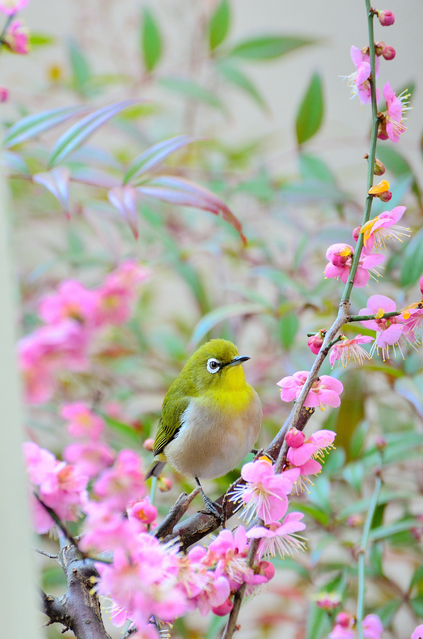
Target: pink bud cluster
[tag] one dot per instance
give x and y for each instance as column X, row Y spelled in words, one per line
column 73, row 316
column 10, row 7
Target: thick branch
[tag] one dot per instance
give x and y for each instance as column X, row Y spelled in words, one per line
column 175, row 514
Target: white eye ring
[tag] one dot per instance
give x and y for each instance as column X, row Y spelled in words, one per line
column 213, row 365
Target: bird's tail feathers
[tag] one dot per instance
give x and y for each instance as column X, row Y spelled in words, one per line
column 155, row 469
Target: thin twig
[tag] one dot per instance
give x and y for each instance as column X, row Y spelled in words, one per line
column 175, row 514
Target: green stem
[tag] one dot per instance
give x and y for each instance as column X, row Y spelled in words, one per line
column 361, row 318
column 371, row 159
column 361, row 558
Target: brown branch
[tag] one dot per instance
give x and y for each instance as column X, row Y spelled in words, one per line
column 202, row 524
column 175, row 514
column 79, row 608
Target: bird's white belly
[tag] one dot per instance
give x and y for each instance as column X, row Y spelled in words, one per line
column 210, row 443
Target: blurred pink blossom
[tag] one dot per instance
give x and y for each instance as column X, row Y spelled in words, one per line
column 122, row 484
column 82, row 422
column 90, row 457
column 9, row 7
column 71, row 301
column 16, row 38
column 324, row 392
column 359, row 81
column 340, row 258
column 142, row 512
column 417, row 632
column 105, row 529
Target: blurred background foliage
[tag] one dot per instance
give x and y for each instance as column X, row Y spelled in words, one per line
column 205, row 283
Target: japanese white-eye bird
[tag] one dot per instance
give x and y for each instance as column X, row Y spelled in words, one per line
column 211, row 416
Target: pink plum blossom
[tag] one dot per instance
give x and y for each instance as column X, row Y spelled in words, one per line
column 386, row 18
column 264, row 492
column 359, row 80
column 389, row 331
column 82, row 422
column 392, row 126
column 384, row 227
column 417, row 632
column 143, row 513
column 89, row 458
column 71, row 301
column 10, row 7
column 114, row 300
column 123, row 483
column 106, row 529
column 413, row 320
column 279, row 538
column 60, row 485
column 16, row 38
column 347, row 349
column 372, row 627
column 340, row 258
column 344, row 627
column 315, row 341
column 324, row 392
column 213, row 595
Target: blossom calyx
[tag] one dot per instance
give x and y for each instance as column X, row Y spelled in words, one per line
column 386, row 18
column 379, row 168
column 381, row 191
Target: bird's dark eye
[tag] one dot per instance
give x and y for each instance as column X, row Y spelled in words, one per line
column 213, row 365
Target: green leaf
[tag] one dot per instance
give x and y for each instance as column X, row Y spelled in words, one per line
column 32, row 125
column 412, row 389
column 288, row 328
column 363, row 504
column 155, row 155
column 219, row 24
column 412, row 265
column 393, row 160
column 215, row 627
column 151, row 40
column 417, row 606
column 313, row 168
column 192, row 90
column 210, row 320
column 81, row 131
column 241, row 81
column 387, row 611
column 310, row 113
column 358, row 438
column 313, row 511
column 319, row 494
column 318, row 623
column 40, row 40
column 81, row 72
column 269, row 47
column 127, row 432
column 382, row 532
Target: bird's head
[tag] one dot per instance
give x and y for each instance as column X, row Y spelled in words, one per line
column 216, row 365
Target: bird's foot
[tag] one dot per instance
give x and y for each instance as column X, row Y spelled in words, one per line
column 212, row 508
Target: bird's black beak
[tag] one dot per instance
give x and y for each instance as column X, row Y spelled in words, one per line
column 238, row 360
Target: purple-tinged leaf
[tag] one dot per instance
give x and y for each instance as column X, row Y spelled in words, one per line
column 57, row 182
column 32, row 125
column 95, row 177
column 81, row 131
column 14, row 162
column 185, row 193
column 124, row 198
column 155, row 155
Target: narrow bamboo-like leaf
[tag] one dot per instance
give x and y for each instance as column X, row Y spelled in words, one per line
column 243, row 82
column 81, row 131
column 210, row 320
column 155, row 155
column 57, row 182
column 14, row 162
column 40, row 40
column 81, row 71
column 412, row 264
column 186, row 193
column 318, row 623
column 219, row 24
column 122, row 429
column 33, row 125
column 382, row 532
column 310, row 113
column 268, row 47
column 124, row 198
column 412, row 389
column 192, row 90
column 151, row 40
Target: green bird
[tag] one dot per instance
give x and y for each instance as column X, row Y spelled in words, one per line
column 211, row 416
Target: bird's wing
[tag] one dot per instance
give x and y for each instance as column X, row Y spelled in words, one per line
column 170, row 422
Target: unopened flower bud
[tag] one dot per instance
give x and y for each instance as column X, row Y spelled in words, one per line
column 4, row 94
column 294, row 438
column 380, row 442
column 356, row 233
column 148, row 444
column 386, row 18
column 327, row 600
column 386, row 196
column 315, row 341
column 224, row 609
column 379, row 168
column 389, row 53
column 267, row 569
column 354, row 520
column 344, row 619
column 164, row 484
